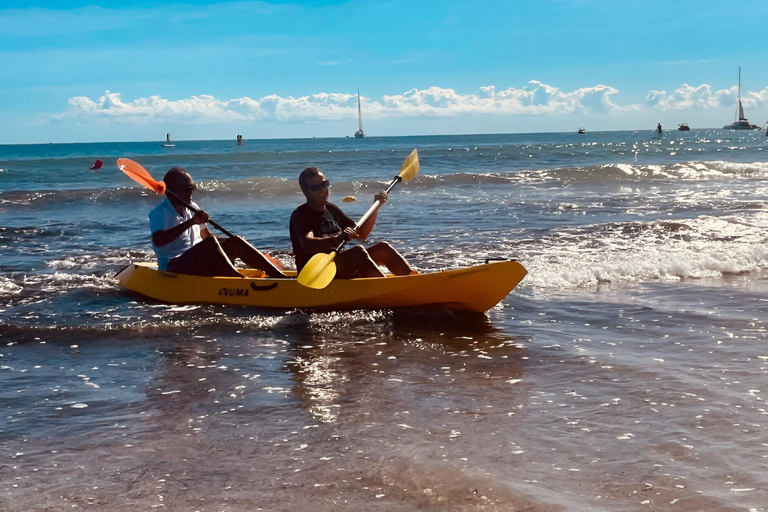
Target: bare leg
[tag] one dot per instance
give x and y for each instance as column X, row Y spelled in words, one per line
column 384, row 254
column 237, row 247
column 204, row 259
column 356, row 262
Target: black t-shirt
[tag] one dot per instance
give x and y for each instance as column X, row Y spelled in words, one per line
column 304, row 219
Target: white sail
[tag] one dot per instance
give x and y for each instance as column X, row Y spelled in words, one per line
column 359, row 134
column 359, row 113
column 741, row 122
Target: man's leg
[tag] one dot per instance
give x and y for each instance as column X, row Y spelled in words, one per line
column 204, row 259
column 356, row 262
column 237, row 247
column 384, row 254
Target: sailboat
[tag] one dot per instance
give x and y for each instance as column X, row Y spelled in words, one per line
column 742, row 123
column 359, row 134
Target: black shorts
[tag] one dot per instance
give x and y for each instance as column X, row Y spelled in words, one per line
column 189, row 262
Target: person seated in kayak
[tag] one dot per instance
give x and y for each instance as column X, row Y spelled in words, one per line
column 184, row 245
column 319, row 226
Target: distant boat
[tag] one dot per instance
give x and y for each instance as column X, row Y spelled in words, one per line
column 683, row 127
column 168, row 143
column 582, row 131
column 359, row 134
column 742, row 123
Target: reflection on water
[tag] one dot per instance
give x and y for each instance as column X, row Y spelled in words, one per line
column 603, row 400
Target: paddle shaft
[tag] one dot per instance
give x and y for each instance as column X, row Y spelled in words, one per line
column 195, row 210
column 375, row 206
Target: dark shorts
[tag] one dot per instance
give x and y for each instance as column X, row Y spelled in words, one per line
column 189, row 262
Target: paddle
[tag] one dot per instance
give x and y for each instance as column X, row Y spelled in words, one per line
column 321, row 268
column 140, row 175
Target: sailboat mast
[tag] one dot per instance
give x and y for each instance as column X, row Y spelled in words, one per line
column 741, row 108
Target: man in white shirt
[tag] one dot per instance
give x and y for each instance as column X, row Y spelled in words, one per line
column 184, row 245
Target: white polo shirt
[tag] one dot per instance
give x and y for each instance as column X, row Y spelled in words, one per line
column 164, row 216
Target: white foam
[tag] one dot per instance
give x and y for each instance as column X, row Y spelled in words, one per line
column 59, row 281
column 696, row 248
column 8, row 287
column 689, row 171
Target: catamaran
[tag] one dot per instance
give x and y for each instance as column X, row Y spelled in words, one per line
column 742, row 123
column 359, row 134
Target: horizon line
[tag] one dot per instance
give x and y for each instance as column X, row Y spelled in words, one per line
column 175, row 141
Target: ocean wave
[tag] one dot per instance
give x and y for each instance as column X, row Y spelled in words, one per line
column 277, row 188
column 55, row 197
column 634, row 252
column 688, row 171
column 255, row 188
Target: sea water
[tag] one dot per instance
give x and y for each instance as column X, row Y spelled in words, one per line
column 628, row 371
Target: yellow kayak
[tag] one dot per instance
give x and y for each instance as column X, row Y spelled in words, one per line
column 477, row 288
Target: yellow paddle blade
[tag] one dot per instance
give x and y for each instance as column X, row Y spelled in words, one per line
column 137, row 173
column 410, row 167
column 319, row 271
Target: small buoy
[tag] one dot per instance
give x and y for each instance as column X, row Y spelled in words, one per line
column 350, row 199
column 97, row 164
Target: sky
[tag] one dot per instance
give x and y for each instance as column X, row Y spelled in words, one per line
column 134, row 71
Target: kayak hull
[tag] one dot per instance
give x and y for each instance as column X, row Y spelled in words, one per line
column 477, row 288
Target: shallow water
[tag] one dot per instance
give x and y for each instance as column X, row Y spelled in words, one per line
column 627, row 372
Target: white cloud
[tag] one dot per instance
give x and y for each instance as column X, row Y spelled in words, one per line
column 702, row 97
column 534, row 99
column 192, row 109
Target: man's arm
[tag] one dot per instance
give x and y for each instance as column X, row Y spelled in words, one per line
column 367, row 227
column 313, row 245
column 165, row 236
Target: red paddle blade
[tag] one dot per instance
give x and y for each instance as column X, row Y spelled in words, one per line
column 140, row 175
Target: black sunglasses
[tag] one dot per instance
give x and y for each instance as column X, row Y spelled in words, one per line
column 320, row 186
column 191, row 187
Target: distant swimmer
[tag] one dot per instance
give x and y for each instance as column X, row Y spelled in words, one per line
column 239, row 140
column 658, row 129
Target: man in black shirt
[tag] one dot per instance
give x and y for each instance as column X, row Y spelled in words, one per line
column 319, row 226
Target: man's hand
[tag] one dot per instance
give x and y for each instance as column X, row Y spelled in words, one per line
column 381, row 197
column 344, row 236
column 200, row 217
column 348, row 234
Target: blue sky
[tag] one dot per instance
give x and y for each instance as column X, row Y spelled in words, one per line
column 123, row 71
